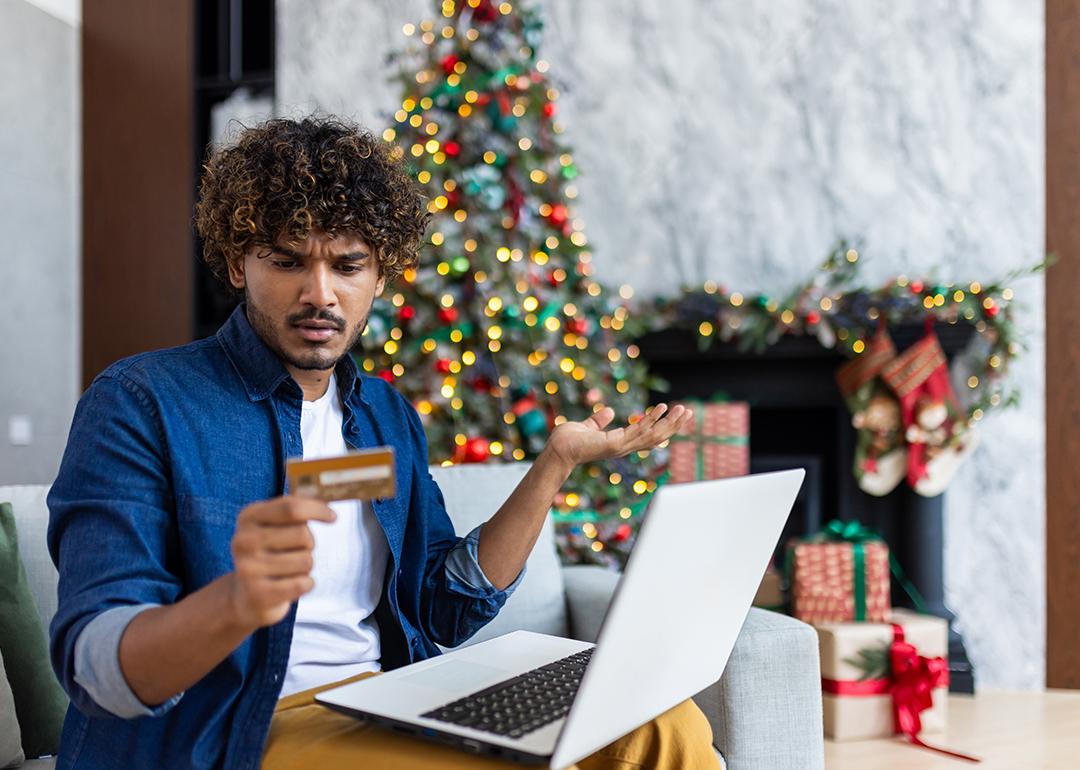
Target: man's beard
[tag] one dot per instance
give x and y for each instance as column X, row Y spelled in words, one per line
column 315, row 359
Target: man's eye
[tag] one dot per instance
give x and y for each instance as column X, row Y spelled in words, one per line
column 285, row 264
column 350, row 268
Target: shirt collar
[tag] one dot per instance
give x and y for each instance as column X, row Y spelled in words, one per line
column 260, row 368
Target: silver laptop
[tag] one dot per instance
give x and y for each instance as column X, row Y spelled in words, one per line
column 667, row 635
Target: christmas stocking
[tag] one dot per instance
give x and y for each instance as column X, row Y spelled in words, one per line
column 880, row 451
column 938, row 438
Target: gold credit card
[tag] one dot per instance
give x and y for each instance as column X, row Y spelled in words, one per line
column 361, row 475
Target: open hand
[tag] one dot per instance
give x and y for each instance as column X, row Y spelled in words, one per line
column 587, row 441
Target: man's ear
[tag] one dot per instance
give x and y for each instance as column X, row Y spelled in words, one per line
column 236, row 272
column 380, row 286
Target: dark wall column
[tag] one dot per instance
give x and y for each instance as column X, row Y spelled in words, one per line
column 137, row 178
column 1063, row 343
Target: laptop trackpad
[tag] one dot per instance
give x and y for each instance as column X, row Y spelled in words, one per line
column 458, row 675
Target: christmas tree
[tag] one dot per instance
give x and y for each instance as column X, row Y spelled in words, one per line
column 502, row 332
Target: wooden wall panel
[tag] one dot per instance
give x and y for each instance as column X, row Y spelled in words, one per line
column 137, row 69
column 1063, row 343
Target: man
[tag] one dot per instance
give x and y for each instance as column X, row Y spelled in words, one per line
column 193, row 593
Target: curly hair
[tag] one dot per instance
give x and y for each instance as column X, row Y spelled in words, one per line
column 283, row 178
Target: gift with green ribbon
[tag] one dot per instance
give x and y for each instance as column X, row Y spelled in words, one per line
column 718, row 448
column 840, row 574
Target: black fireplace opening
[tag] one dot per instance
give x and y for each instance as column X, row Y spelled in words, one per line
column 798, row 419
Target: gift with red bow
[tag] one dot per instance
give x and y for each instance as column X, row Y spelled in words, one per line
column 884, row 679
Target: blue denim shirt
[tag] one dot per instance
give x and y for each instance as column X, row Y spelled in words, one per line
column 165, row 449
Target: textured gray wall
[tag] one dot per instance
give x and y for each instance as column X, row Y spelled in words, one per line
column 39, row 216
column 737, row 141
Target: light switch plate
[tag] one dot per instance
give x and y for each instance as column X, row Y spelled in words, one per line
column 21, row 430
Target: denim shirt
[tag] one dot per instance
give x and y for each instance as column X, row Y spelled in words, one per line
column 165, row 449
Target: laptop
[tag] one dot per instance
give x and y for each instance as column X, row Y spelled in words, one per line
column 668, row 633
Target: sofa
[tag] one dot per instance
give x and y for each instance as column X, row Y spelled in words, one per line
column 765, row 711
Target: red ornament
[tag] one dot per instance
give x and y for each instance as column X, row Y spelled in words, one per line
column 577, row 325
column 552, row 279
column 477, row 450
column 558, row 215
column 448, row 315
column 485, row 11
column 549, row 109
column 452, row 198
column 813, row 317
column 481, row 385
column 406, row 314
column 442, row 366
column 991, row 311
column 448, row 64
column 916, row 287
column 452, row 149
column 387, row 375
column 622, row 533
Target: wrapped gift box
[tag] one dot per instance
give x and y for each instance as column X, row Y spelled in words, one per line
column 852, row 709
column 834, row 582
column 719, row 446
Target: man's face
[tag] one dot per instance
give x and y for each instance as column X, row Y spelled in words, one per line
column 309, row 301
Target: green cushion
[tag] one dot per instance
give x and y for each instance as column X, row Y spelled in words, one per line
column 11, row 753
column 39, row 700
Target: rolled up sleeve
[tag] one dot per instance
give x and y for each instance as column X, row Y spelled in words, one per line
column 97, row 665
column 463, row 566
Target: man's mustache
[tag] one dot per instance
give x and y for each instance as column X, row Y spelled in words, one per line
column 317, row 315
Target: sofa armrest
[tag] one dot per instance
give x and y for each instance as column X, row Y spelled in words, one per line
column 588, row 593
column 766, row 709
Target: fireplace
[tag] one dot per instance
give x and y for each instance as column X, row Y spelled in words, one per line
column 798, row 419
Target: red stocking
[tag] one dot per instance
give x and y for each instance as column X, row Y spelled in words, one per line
column 937, row 437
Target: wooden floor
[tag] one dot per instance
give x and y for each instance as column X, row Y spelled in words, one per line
column 1008, row 730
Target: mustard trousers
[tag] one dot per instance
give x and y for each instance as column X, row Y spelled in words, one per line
column 305, row 735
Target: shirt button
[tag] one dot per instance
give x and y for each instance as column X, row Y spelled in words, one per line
column 401, row 572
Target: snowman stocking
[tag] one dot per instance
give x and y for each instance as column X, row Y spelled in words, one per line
column 938, row 437
column 880, row 451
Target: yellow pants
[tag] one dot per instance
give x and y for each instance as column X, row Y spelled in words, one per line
column 305, row 735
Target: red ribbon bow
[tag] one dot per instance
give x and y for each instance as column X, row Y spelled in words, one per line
column 911, row 686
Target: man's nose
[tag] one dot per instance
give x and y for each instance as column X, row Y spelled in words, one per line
column 318, row 287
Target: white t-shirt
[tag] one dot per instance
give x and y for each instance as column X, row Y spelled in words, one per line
column 336, row 635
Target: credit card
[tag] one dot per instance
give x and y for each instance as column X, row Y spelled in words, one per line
column 361, row 475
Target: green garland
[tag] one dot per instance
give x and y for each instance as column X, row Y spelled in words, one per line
column 841, row 314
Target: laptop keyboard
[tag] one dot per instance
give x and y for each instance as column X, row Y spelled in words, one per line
column 520, row 705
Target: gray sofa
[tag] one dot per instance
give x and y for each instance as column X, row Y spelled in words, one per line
column 765, row 711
